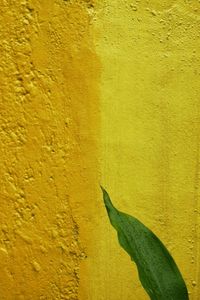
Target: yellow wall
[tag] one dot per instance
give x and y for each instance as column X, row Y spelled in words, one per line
column 96, row 92
column 150, row 110
column 49, row 103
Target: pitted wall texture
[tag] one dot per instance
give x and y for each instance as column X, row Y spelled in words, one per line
column 48, row 104
column 96, row 92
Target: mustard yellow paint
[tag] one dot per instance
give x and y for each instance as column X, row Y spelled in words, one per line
column 49, row 121
column 55, row 238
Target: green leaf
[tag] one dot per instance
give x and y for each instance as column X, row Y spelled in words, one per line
column 157, row 270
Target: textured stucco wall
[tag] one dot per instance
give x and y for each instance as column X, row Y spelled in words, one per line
column 48, row 109
column 96, row 92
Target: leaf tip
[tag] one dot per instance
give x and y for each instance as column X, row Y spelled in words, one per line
column 107, row 201
column 102, row 188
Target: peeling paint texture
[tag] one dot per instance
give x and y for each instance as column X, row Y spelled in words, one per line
column 48, row 104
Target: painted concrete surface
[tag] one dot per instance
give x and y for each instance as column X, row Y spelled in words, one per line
column 150, row 113
column 49, row 96
column 96, row 92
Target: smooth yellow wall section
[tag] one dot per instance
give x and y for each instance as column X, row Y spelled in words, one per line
column 48, row 126
column 150, row 107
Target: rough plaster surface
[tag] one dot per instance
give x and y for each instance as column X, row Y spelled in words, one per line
column 48, row 114
column 55, row 238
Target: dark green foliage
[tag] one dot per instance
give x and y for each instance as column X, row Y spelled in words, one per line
column 157, row 270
